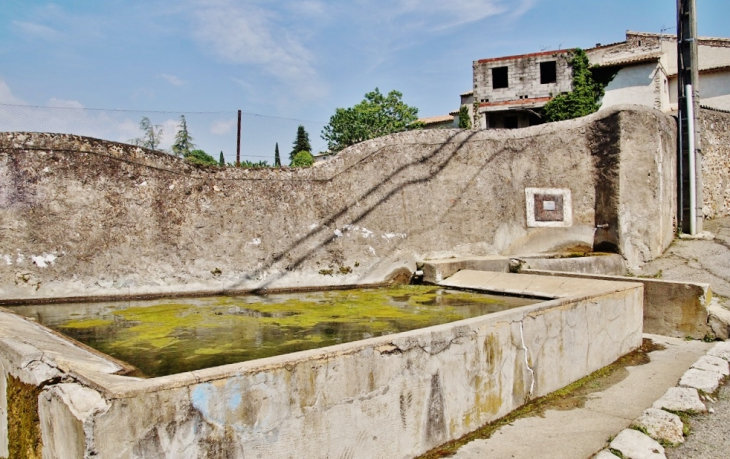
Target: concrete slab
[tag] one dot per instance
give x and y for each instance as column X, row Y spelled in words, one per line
column 580, row 432
column 532, row 285
column 435, row 271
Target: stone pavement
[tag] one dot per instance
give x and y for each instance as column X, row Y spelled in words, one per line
column 585, row 431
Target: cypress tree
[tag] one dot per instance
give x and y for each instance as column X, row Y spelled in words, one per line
column 277, row 158
column 221, row 160
column 301, row 143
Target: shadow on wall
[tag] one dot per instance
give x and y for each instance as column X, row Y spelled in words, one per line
column 389, row 186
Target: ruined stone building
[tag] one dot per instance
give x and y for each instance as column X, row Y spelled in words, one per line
column 510, row 91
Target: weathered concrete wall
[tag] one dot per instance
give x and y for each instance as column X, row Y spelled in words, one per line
column 678, row 309
column 715, row 163
column 393, row 396
column 84, row 217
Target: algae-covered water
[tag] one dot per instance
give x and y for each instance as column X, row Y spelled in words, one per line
column 163, row 337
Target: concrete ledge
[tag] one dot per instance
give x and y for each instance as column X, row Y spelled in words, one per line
column 607, row 264
column 671, row 308
column 434, row 271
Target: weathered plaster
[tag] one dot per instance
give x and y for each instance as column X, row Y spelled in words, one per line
column 83, row 217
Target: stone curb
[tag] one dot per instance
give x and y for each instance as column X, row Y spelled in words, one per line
column 704, row 375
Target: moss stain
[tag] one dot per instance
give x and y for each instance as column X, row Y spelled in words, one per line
column 568, row 397
column 168, row 337
column 24, row 427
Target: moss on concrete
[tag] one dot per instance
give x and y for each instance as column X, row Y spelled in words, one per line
column 24, row 427
column 171, row 336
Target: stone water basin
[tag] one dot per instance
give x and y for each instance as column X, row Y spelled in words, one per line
column 165, row 337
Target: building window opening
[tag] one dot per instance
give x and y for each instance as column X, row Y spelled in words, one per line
column 500, row 78
column 510, row 122
column 548, row 72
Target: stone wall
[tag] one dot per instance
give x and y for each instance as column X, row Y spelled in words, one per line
column 715, row 163
column 80, row 216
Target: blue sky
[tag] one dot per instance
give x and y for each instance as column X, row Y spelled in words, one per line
column 290, row 59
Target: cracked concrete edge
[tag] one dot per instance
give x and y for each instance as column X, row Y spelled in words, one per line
column 720, row 351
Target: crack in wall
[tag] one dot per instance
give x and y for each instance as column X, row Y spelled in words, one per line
column 527, row 362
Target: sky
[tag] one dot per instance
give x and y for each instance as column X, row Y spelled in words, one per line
column 281, row 62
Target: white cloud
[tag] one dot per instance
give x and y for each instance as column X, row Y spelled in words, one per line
column 172, row 79
column 245, row 33
column 34, row 29
column 61, row 103
column 220, row 127
column 7, row 97
column 434, row 15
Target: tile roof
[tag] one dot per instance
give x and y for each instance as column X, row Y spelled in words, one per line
column 632, row 59
column 436, row 119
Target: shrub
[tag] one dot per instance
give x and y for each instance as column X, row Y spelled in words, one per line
column 302, row 159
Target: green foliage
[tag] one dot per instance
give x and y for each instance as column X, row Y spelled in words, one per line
column 377, row 115
column 277, row 156
column 221, row 160
column 201, row 158
column 301, row 143
column 151, row 135
column 464, row 120
column 583, row 99
column 252, row 165
column 183, row 140
column 302, row 159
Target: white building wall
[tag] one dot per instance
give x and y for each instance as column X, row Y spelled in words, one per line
column 632, row 85
column 715, row 90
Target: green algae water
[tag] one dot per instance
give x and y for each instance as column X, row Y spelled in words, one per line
column 163, row 337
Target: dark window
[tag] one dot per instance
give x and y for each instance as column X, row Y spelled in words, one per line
column 548, row 72
column 500, row 78
column 510, row 122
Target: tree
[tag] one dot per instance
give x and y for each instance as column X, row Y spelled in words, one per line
column 377, row 115
column 201, row 158
column 464, row 120
column 151, row 134
column 221, row 160
column 583, row 99
column 256, row 165
column 277, row 157
column 301, row 143
column 302, row 159
column 183, row 140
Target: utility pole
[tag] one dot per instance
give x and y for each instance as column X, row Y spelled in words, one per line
column 238, row 141
column 689, row 163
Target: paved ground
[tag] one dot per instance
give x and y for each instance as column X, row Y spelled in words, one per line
column 579, row 432
column 703, row 261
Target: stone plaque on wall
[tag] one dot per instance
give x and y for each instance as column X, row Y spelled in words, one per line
column 548, row 207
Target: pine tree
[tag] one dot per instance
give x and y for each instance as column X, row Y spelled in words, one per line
column 221, row 160
column 301, row 143
column 277, row 158
column 183, row 140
